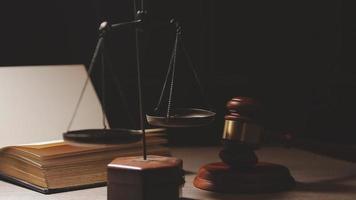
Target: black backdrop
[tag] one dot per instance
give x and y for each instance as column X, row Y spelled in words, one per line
column 296, row 57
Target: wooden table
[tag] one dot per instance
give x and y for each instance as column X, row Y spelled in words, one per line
column 318, row 177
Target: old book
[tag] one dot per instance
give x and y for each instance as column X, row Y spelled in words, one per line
column 60, row 166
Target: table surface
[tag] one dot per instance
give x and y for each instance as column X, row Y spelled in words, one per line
column 318, row 177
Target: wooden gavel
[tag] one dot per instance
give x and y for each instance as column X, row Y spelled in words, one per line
column 242, row 132
column 240, row 171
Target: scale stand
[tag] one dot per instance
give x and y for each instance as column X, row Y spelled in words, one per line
column 173, row 117
column 146, row 176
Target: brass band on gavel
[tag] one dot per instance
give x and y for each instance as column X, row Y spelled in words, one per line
column 241, row 124
column 246, row 132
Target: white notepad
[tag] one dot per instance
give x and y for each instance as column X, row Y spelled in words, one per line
column 37, row 103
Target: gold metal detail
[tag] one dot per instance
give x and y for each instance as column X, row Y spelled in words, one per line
column 246, row 132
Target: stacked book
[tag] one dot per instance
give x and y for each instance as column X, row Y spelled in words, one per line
column 60, row 166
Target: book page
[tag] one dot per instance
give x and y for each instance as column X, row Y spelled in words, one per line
column 37, row 103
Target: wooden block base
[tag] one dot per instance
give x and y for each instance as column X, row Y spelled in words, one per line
column 264, row 177
column 157, row 178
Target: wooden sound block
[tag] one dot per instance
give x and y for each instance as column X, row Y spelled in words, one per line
column 264, row 177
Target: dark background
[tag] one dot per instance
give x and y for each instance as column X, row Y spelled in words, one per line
column 295, row 57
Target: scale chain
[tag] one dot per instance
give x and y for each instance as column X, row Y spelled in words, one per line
column 165, row 81
column 103, row 99
column 172, row 62
column 173, row 73
column 200, row 85
column 90, row 70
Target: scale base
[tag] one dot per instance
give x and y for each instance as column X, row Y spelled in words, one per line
column 133, row 178
column 262, row 178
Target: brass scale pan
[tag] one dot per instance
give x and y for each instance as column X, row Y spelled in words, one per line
column 102, row 136
column 182, row 117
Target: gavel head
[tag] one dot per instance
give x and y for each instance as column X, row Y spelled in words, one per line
column 243, row 121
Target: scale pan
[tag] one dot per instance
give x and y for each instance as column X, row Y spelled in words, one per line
column 102, row 136
column 182, row 117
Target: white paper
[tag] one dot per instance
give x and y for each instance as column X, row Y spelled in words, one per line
column 37, row 103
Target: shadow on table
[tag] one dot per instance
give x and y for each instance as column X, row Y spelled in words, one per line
column 252, row 196
column 189, row 172
column 184, row 198
column 334, row 185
